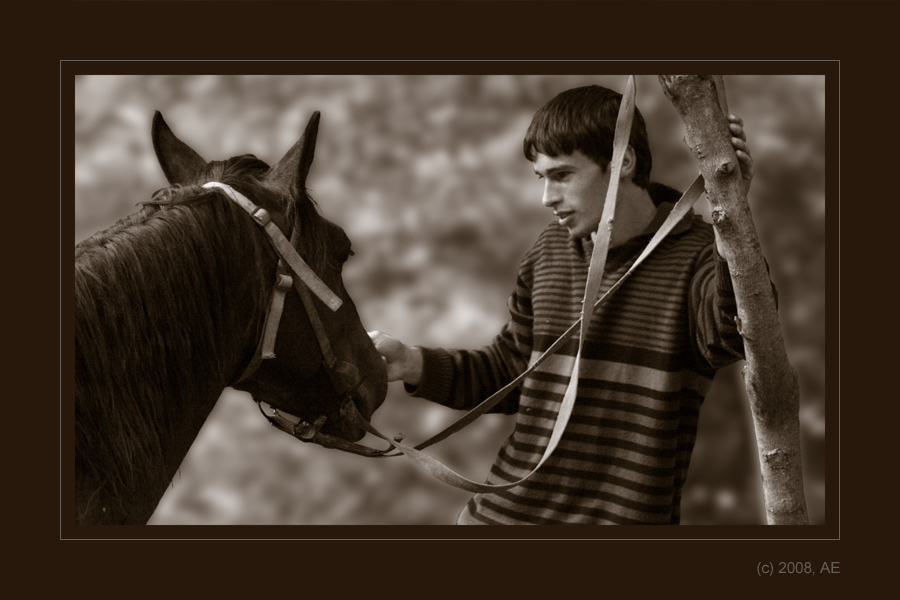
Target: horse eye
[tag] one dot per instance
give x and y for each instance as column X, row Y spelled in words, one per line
column 343, row 257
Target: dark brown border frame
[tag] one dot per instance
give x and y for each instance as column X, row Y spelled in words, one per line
column 44, row 566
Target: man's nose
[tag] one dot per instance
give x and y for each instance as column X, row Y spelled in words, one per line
column 551, row 195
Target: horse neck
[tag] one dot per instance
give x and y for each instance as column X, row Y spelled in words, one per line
column 167, row 313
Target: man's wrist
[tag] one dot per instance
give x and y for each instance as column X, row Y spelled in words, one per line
column 414, row 365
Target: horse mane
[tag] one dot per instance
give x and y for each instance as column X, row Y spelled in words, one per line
column 161, row 305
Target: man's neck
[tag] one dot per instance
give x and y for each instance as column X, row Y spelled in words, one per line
column 634, row 213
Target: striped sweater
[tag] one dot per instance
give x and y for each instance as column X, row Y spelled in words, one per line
column 650, row 354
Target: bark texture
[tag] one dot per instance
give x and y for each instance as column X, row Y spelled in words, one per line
column 768, row 376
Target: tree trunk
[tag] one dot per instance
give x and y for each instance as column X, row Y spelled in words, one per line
column 770, row 380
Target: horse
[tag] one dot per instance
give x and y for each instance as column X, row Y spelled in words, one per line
column 170, row 306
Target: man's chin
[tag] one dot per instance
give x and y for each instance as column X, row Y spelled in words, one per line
column 576, row 233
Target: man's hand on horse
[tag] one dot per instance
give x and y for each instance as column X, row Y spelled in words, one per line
column 404, row 363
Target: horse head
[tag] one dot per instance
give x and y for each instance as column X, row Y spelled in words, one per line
column 297, row 380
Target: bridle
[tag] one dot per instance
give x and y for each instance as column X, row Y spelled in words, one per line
column 292, row 271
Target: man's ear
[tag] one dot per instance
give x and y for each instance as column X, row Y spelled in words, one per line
column 629, row 164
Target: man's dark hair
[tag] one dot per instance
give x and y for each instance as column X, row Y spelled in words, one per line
column 584, row 119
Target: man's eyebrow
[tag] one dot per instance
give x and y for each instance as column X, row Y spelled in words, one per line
column 556, row 169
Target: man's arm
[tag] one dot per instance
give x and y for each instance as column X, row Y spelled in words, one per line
column 713, row 307
column 461, row 379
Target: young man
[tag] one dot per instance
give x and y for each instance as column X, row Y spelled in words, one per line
column 651, row 350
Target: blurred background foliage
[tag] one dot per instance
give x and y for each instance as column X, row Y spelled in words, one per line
column 426, row 175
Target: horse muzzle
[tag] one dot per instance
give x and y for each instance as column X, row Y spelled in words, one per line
column 340, row 431
column 345, row 420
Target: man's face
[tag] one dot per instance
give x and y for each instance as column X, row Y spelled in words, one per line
column 575, row 188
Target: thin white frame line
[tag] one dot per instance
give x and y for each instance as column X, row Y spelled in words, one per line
column 458, row 539
column 60, row 304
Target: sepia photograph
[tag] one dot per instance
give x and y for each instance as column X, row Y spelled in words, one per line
column 285, row 284
column 350, row 274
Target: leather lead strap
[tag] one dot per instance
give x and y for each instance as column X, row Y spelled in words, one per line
column 595, row 272
column 679, row 211
column 592, row 287
column 598, row 258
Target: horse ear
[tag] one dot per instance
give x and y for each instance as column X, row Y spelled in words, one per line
column 294, row 166
column 178, row 161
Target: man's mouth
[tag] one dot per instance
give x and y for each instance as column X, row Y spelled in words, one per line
column 564, row 216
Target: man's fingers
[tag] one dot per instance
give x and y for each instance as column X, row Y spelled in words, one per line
column 746, row 164
column 385, row 345
column 377, row 338
column 741, row 149
column 740, row 144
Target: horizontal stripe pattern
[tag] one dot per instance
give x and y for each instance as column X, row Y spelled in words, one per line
column 648, row 361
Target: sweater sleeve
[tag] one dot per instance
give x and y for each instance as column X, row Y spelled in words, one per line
column 462, row 379
column 713, row 310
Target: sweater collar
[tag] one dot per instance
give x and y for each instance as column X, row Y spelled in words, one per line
column 664, row 198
